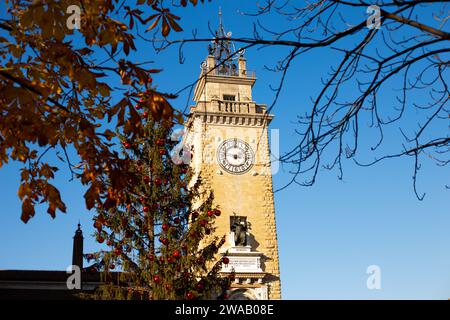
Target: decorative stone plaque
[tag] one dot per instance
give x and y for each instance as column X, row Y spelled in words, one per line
column 243, row 260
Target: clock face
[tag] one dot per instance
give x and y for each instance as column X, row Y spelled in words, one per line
column 235, row 156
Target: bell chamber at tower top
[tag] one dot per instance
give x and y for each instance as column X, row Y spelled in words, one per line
column 223, row 58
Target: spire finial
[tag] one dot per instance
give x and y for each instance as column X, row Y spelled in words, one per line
column 220, row 16
column 78, row 232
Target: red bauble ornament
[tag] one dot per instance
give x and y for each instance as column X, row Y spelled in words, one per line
column 162, row 152
column 126, row 145
column 210, row 213
column 200, row 260
column 145, row 114
column 225, row 260
column 151, row 257
column 176, row 220
column 146, row 179
column 118, row 251
column 109, row 243
column 200, row 287
column 112, row 266
column 184, row 170
column 217, row 212
column 176, row 254
column 159, row 142
column 170, row 260
column 100, row 239
column 157, row 279
column 145, row 209
column 190, row 295
column 158, row 181
column 165, row 227
column 138, row 106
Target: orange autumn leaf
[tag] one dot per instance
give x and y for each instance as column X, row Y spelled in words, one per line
column 57, row 97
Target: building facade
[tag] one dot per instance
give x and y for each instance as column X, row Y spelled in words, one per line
column 227, row 132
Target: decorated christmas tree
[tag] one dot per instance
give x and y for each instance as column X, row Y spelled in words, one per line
column 160, row 246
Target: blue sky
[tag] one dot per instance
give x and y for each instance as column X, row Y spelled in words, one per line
column 328, row 233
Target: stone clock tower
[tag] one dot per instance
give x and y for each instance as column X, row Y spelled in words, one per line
column 228, row 134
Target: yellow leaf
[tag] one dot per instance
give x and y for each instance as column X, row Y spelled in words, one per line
column 165, row 28
column 27, row 210
column 154, row 24
column 23, row 190
column 175, row 26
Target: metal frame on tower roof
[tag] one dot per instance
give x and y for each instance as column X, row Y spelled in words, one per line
column 222, row 48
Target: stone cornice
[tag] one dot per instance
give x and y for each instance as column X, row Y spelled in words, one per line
column 253, row 275
column 232, row 119
column 230, row 79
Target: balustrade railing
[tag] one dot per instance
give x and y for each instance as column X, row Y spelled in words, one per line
column 239, row 107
